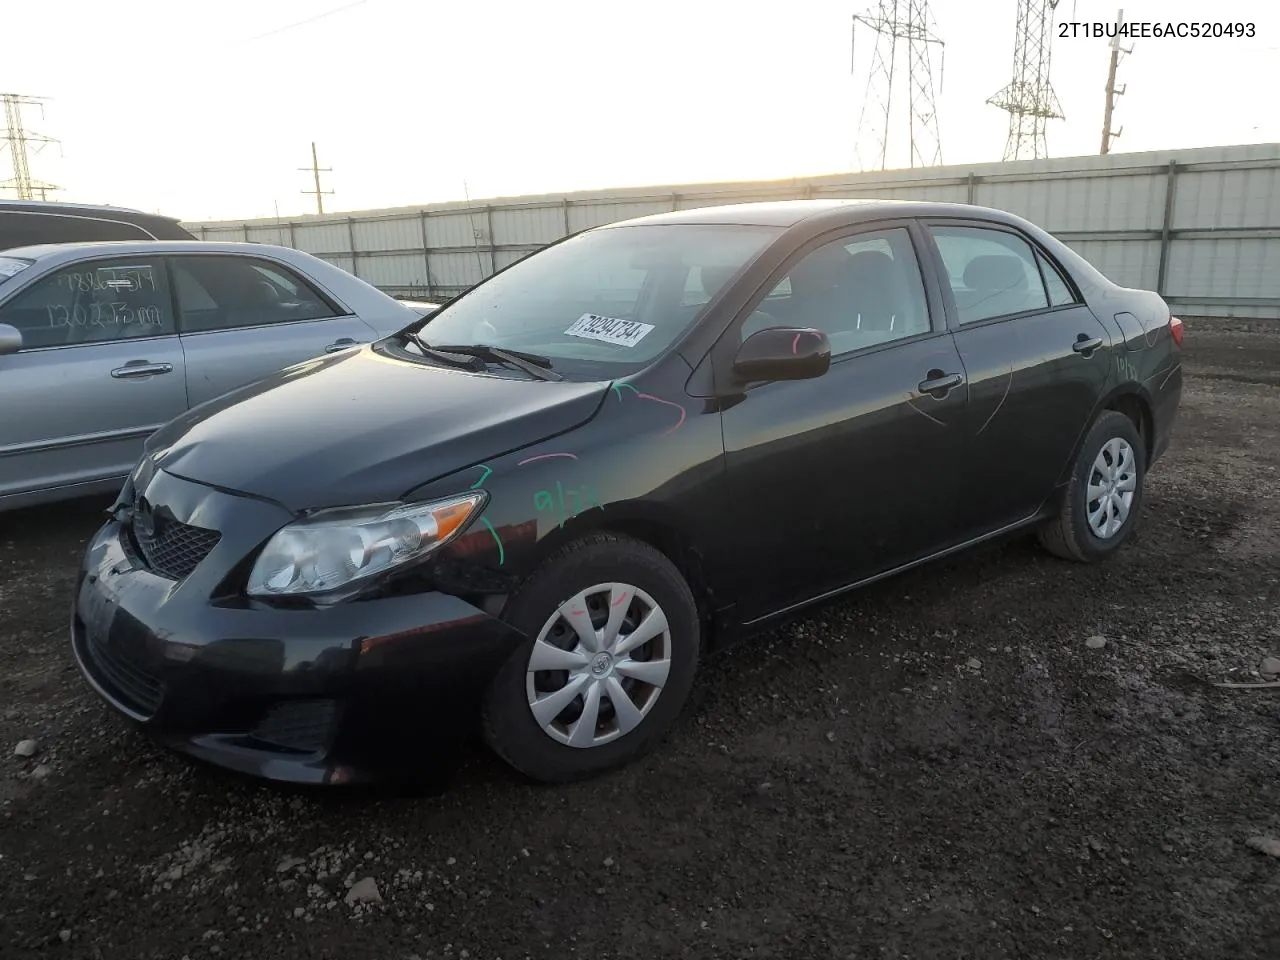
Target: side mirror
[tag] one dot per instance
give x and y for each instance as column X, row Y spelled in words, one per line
column 784, row 353
column 10, row 339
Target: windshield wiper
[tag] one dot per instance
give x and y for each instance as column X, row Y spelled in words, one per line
column 466, row 361
column 531, row 363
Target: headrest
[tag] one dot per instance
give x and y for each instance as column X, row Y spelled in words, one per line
column 713, row 278
column 995, row 273
column 821, row 270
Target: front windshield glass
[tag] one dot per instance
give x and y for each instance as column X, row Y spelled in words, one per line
column 11, row 267
column 603, row 303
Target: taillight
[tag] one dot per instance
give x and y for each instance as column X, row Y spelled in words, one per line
column 1175, row 328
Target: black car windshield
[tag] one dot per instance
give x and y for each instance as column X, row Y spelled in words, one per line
column 604, row 303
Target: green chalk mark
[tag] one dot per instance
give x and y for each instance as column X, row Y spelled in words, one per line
column 502, row 553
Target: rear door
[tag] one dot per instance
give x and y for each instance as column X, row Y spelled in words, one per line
column 1037, row 359
column 853, row 473
column 100, row 369
column 243, row 318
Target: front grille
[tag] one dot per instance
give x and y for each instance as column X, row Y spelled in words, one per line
column 175, row 549
column 305, row 725
column 128, row 680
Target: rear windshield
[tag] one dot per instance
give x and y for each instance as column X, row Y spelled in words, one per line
column 12, row 266
column 604, row 303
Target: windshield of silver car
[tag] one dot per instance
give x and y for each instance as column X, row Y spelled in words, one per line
column 615, row 297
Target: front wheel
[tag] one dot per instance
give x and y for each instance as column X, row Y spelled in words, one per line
column 614, row 647
column 1104, row 495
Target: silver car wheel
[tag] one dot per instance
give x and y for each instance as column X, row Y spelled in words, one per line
column 1111, row 485
column 598, row 665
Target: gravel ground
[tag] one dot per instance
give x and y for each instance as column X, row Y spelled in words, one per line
column 1003, row 755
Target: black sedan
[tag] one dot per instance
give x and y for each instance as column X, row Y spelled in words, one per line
column 540, row 505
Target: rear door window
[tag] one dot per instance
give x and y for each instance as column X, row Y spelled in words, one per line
column 230, row 292
column 93, row 302
column 992, row 273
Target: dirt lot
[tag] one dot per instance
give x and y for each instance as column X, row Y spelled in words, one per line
column 946, row 765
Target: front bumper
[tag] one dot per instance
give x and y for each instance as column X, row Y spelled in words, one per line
column 357, row 691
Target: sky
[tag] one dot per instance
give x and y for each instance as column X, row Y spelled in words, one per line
column 207, row 111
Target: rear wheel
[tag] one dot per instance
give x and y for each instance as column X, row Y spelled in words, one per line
column 1104, row 495
column 614, row 649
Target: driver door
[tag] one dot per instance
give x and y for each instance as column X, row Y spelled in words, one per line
column 853, row 473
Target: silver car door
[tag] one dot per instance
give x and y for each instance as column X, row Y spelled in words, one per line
column 100, row 368
column 243, row 318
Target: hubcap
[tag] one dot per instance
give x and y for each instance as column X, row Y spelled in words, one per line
column 1111, row 485
column 598, row 665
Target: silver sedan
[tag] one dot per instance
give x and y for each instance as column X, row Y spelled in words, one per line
column 102, row 343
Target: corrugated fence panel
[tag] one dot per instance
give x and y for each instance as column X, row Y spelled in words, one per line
column 393, row 270
column 341, row 262
column 458, row 270
column 402, row 233
column 279, row 235
column 323, row 238
column 1111, row 208
column 1130, row 263
column 528, row 225
column 1225, row 267
column 584, row 215
column 456, row 229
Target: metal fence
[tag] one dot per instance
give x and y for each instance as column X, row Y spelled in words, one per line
column 1200, row 226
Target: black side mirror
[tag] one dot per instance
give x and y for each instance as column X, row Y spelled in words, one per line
column 783, row 353
column 10, row 339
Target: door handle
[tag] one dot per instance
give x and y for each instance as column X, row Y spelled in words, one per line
column 136, row 369
column 1085, row 344
column 940, row 384
column 342, row 343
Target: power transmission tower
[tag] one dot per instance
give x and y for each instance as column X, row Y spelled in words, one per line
column 19, row 141
column 1029, row 96
column 315, row 170
column 893, row 21
column 1112, row 92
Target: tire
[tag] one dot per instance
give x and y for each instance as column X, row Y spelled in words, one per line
column 642, row 579
column 1071, row 535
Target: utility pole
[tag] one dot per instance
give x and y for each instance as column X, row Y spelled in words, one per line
column 1112, row 92
column 19, row 140
column 315, row 170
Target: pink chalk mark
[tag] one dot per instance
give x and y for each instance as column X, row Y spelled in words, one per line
column 795, row 344
column 547, row 456
column 619, row 600
column 679, row 423
column 577, row 612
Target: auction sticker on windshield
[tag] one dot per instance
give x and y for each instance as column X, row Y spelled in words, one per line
column 626, row 333
column 9, row 266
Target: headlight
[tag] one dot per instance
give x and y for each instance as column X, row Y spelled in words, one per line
column 339, row 548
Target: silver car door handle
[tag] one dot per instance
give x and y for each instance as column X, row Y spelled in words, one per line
column 1086, row 344
column 140, row 368
column 341, row 344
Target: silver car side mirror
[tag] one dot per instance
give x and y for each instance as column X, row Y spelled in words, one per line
column 10, row 339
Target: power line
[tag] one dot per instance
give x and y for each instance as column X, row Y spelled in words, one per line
column 315, row 170
column 300, row 23
column 18, row 139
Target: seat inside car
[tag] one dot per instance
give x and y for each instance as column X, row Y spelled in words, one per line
column 995, row 284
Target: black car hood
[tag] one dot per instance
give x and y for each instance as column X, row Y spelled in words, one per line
column 362, row 427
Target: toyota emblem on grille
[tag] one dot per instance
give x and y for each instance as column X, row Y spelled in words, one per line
column 144, row 521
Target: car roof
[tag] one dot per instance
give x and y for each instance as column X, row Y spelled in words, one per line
column 91, row 209
column 76, row 251
column 789, row 213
